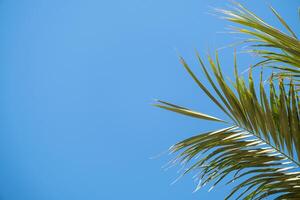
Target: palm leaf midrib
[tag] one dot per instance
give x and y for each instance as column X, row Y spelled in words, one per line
column 272, row 146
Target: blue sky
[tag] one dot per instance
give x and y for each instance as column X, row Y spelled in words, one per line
column 77, row 82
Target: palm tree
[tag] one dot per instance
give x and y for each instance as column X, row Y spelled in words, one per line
column 259, row 147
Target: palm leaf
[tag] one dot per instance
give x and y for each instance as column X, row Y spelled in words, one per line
column 280, row 50
column 260, row 151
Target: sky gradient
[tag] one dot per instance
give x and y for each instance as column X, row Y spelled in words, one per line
column 77, row 82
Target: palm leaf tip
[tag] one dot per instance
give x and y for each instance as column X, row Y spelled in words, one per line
column 185, row 111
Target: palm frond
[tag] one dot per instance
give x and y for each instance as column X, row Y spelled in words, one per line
column 261, row 148
column 279, row 50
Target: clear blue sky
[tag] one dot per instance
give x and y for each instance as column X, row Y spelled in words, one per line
column 77, row 81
